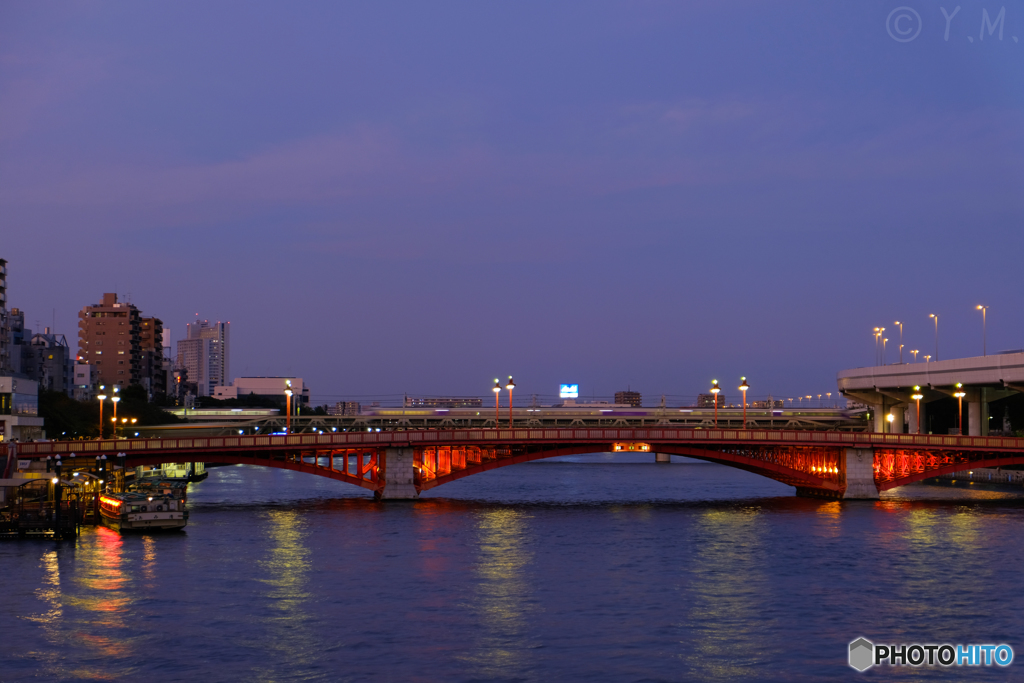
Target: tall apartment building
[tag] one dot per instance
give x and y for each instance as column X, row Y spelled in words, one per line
column 109, row 339
column 205, row 355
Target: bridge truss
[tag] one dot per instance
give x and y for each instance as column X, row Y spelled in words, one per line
column 808, row 460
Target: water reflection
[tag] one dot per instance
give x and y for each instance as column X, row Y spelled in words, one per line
column 729, row 589
column 503, row 602
column 285, row 572
column 49, row 593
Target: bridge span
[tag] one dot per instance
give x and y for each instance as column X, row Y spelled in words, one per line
column 402, row 464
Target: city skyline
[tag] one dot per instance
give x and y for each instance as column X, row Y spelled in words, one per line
column 577, row 203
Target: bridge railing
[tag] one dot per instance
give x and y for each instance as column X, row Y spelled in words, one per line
column 344, row 440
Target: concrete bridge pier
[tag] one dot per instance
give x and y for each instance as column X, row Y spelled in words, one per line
column 860, row 474
column 977, row 414
column 662, row 457
column 398, row 475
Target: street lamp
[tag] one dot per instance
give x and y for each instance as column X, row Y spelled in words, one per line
column 935, row 315
column 984, row 341
column 714, row 392
column 743, row 387
column 917, row 396
column 497, row 403
column 884, row 340
column 927, row 359
column 115, row 399
column 288, row 408
column 959, row 394
column 102, row 398
column 915, row 352
column 510, row 386
column 901, row 340
column 889, row 418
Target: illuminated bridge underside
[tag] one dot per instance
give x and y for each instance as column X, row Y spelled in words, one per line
column 810, row 461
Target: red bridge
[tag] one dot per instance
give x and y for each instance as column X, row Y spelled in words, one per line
column 401, row 464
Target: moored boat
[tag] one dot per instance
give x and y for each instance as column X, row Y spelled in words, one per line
column 155, row 508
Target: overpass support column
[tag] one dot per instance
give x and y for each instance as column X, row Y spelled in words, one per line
column 662, row 457
column 878, row 411
column 977, row 414
column 918, row 424
column 398, row 475
column 860, row 474
column 898, row 419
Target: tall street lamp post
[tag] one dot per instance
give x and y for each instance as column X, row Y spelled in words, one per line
column 714, row 392
column 984, row 340
column 115, row 399
column 288, row 407
column 935, row 315
column 901, row 340
column 743, row 388
column 917, row 396
column 915, row 352
column 497, row 403
column 960, row 393
column 889, row 418
column 102, row 398
column 510, row 386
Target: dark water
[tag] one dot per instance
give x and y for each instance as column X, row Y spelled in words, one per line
column 588, row 569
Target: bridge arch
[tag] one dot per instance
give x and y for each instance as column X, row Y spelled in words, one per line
column 819, row 468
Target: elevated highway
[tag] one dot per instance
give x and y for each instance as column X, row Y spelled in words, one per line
column 889, row 388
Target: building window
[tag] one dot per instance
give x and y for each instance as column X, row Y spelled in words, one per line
column 120, row 372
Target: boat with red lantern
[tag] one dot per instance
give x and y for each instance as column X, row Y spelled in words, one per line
column 159, row 505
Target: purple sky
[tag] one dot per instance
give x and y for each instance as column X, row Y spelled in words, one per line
column 418, row 197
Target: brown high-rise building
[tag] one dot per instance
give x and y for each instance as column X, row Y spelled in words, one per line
column 109, row 338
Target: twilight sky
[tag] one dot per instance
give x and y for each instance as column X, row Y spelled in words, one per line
column 387, row 197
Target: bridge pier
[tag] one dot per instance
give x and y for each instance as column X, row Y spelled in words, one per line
column 398, row 475
column 860, row 474
column 662, row 457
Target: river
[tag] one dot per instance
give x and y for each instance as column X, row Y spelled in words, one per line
column 590, row 568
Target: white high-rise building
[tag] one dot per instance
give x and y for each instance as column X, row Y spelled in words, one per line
column 205, row 354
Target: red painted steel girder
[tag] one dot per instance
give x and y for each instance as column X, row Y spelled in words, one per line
column 657, row 437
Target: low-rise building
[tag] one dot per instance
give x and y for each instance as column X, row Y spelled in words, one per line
column 629, row 398
column 272, row 388
column 344, row 408
column 19, row 409
column 709, row 400
column 443, row 402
